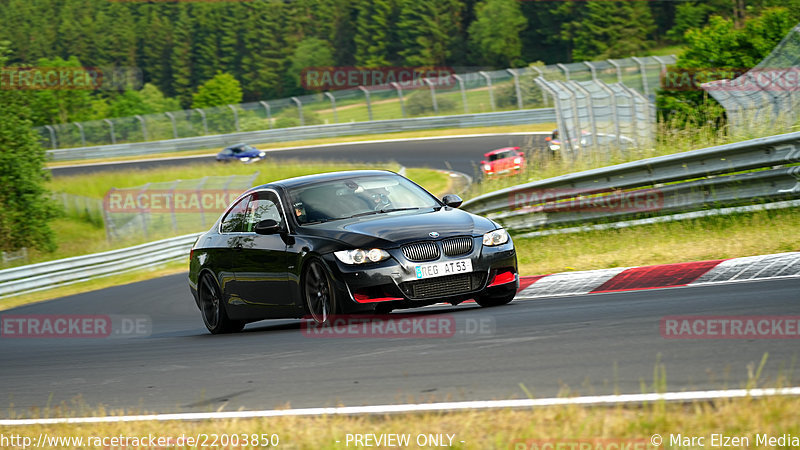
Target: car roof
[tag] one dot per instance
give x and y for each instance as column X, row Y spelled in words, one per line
column 499, row 150
column 316, row 178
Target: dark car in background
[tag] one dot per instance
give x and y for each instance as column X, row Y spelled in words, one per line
column 241, row 152
column 346, row 242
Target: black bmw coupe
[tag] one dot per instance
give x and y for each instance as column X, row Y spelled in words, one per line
column 346, row 243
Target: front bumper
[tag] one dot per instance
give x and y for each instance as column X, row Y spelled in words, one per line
column 394, row 282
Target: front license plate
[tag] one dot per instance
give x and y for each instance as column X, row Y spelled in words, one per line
column 443, row 268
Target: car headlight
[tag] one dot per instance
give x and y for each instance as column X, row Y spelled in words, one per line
column 262, row 154
column 496, row 237
column 245, row 159
column 359, row 256
column 487, row 167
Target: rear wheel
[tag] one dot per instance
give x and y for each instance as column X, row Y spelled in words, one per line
column 212, row 309
column 318, row 292
column 495, row 301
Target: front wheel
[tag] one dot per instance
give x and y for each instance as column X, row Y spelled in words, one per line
column 214, row 315
column 487, row 302
column 318, row 292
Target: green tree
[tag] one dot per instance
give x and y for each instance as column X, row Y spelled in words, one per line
column 156, row 47
column 223, row 89
column 373, row 35
column 495, row 34
column 311, row 52
column 25, row 205
column 264, row 51
column 721, row 45
column 154, row 100
column 428, row 30
column 60, row 105
column 613, row 30
column 182, row 64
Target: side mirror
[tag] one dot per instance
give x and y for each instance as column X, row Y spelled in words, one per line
column 452, row 200
column 484, row 162
column 267, row 226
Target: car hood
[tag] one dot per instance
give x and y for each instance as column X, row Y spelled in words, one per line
column 394, row 229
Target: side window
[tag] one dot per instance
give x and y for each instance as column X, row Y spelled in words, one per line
column 236, row 219
column 262, row 206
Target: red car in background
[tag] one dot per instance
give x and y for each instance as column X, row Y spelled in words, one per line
column 505, row 160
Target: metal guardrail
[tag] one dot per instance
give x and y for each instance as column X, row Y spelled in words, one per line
column 36, row 277
column 687, row 181
column 520, row 117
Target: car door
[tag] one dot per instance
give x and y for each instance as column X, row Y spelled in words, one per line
column 260, row 270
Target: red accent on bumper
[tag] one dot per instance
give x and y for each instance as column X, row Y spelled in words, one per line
column 361, row 298
column 503, row 278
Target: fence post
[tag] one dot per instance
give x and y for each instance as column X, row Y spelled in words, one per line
column 369, row 105
column 463, row 92
column 174, row 126
column 269, row 113
column 202, row 210
column 614, row 113
column 433, row 95
column 400, row 98
column 203, row 117
column 333, row 105
column 111, row 130
column 83, row 136
column 589, row 107
column 643, row 71
column 172, row 205
column 516, row 87
column 575, row 117
column 619, row 69
column 593, row 69
column 541, row 75
column 299, row 110
column 565, row 69
column 634, row 113
column 144, row 127
column 52, row 135
column 235, row 117
column 108, row 224
column 489, row 85
column 560, row 123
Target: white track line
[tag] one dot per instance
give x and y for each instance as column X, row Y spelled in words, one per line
column 597, row 400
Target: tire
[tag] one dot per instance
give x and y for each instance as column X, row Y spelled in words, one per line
column 488, row 302
column 211, row 308
column 319, row 295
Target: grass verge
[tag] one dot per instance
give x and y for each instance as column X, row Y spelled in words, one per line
column 560, row 427
column 321, row 141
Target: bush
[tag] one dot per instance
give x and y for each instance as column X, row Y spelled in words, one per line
column 419, row 103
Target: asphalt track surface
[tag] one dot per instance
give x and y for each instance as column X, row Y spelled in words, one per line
column 459, row 154
column 592, row 344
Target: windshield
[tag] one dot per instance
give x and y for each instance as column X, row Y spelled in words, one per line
column 357, row 196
